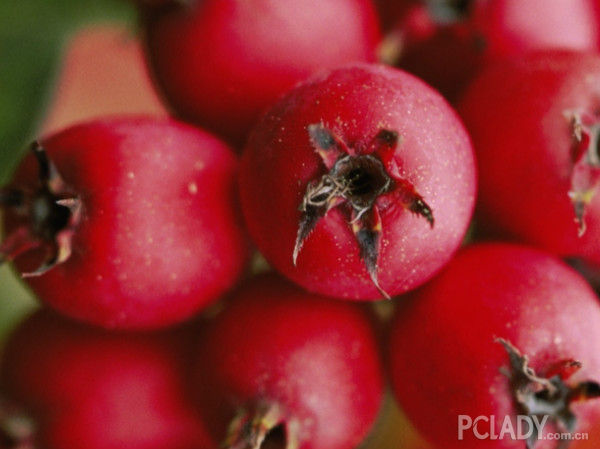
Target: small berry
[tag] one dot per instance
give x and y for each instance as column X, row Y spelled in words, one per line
column 447, row 42
column 126, row 223
column 282, row 367
column 68, row 386
column 369, row 179
column 219, row 63
column 503, row 331
column 535, row 126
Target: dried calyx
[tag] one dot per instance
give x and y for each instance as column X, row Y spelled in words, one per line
column 47, row 216
column 547, row 396
column 263, row 427
column 585, row 155
column 355, row 183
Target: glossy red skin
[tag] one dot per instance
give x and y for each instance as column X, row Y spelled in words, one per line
column 160, row 237
column 86, row 388
column 355, row 102
column 451, row 54
column 513, row 27
column 317, row 357
column 514, row 112
column 442, row 339
column 221, row 62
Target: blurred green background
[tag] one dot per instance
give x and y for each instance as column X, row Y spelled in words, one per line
column 33, row 36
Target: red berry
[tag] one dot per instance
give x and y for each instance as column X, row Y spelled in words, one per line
column 139, row 229
column 79, row 387
column 513, row 27
column 447, row 57
column 447, row 42
column 535, row 124
column 296, row 369
column 221, row 62
column 445, row 340
column 343, row 180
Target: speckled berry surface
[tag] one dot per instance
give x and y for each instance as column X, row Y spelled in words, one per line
column 432, row 155
column 158, row 236
column 444, row 339
column 534, row 124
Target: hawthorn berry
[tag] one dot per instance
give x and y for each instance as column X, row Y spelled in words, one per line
column 534, row 124
column 447, row 42
column 515, row 27
column 69, row 386
column 126, row 222
column 359, row 183
column 279, row 367
column 436, row 41
column 503, row 331
column 219, row 63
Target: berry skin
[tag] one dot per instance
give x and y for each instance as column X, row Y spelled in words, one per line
column 436, row 41
column 144, row 233
column 515, row 27
column 369, row 180
column 85, row 388
column 447, row 42
column 294, row 369
column 445, row 339
column 219, row 63
column 534, row 124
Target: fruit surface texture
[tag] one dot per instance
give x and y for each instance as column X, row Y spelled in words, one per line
column 282, row 366
column 447, row 43
column 80, row 387
column 534, row 124
column 145, row 231
column 513, row 27
column 446, row 339
column 219, row 63
column 359, row 183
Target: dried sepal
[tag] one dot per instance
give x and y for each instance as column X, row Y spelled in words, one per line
column 357, row 181
column 585, row 154
column 318, row 199
column 535, row 395
column 51, row 214
column 250, row 428
column 326, row 144
column 367, row 230
column 564, row 369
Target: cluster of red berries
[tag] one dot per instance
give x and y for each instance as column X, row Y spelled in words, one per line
column 358, row 183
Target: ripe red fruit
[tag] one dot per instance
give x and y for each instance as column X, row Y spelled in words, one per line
column 79, row 387
column 445, row 339
column 436, row 41
column 534, row 124
column 221, row 62
column 286, row 368
column 447, row 42
column 139, row 230
column 513, row 27
column 373, row 158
